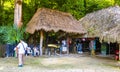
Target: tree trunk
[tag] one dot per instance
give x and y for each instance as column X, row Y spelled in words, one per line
column 18, row 13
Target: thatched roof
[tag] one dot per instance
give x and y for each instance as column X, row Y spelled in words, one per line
column 113, row 35
column 104, row 23
column 53, row 20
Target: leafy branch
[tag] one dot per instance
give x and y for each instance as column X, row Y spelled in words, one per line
column 10, row 34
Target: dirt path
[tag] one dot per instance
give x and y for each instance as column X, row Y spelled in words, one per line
column 65, row 63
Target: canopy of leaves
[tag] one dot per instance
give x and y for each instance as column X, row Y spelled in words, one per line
column 78, row 8
column 10, row 34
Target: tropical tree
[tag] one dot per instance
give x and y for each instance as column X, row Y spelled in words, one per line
column 116, row 2
column 78, row 8
column 10, row 34
column 18, row 13
column 6, row 12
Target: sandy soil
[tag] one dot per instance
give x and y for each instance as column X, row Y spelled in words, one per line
column 64, row 63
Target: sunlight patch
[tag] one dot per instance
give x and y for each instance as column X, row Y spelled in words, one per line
column 1, row 68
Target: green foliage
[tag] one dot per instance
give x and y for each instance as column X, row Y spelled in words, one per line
column 117, row 2
column 10, row 34
column 6, row 12
column 75, row 7
column 78, row 8
column 93, row 5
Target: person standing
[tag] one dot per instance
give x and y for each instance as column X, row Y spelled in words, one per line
column 20, row 49
column 64, row 46
column 79, row 47
column 92, row 47
column 36, row 51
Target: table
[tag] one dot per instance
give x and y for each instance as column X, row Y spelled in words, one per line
column 53, row 47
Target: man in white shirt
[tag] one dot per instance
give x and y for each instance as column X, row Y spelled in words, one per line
column 21, row 47
column 36, row 52
column 29, row 51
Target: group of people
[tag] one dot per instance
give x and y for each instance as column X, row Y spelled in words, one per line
column 22, row 49
column 79, row 46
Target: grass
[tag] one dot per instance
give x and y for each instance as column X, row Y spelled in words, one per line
column 62, row 66
column 39, row 62
column 52, row 63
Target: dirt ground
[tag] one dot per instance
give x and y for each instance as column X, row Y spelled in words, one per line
column 63, row 63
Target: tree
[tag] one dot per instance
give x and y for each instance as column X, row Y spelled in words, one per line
column 94, row 5
column 78, row 8
column 18, row 13
column 6, row 12
column 10, row 35
column 85, row 2
column 116, row 2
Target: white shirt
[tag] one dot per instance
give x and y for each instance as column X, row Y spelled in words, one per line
column 35, row 49
column 63, row 42
column 22, row 47
column 29, row 50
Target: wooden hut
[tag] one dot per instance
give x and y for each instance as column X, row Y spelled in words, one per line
column 52, row 20
column 104, row 24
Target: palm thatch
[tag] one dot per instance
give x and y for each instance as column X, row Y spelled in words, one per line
column 53, row 20
column 113, row 35
column 104, row 23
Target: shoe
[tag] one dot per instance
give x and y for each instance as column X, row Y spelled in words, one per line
column 20, row 65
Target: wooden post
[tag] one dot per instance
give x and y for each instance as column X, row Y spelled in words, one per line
column 67, row 45
column 41, row 42
column 109, row 47
column 119, row 51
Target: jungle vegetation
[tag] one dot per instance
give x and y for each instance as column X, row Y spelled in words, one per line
column 78, row 8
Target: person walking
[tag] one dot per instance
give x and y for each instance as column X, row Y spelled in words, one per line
column 20, row 49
